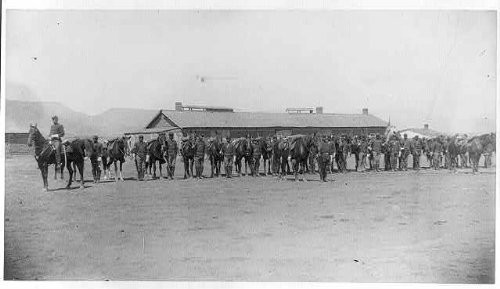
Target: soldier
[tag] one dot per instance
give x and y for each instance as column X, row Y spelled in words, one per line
column 394, row 151
column 199, row 156
column 172, row 151
column 56, row 134
column 313, row 154
column 96, row 158
column 363, row 151
column 437, row 150
column 405, row 152
column 256, row 155
column 276, row 156
column 417, row 147
column 376, row 146
column 139, row 153
column 324, row 157
column 355, row 149
column 228, row 151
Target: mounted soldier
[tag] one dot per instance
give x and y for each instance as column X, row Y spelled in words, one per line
column 56, row 134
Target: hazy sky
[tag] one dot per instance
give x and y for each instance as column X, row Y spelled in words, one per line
column 416, row 67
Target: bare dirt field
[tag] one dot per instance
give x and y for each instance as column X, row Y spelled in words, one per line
column 427, row 226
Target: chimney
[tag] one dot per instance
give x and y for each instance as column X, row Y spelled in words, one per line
column 178, row 106
column 319, row 109
column 426, row 126
column 365, row 110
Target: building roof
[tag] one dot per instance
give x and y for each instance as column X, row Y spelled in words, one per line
column 421, row 132
column 192, row 119
column 151, row 130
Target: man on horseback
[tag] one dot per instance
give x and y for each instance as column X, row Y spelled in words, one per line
column 56, row 134
column 172, row 150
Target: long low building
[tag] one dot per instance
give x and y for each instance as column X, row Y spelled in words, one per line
column 212, row 121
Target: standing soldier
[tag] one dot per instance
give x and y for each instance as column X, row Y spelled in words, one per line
column 406, row 149
column 376, row 146
column 363, row 151
column 325, row 154
column 96, row 158
column 276, row 156
column 139, row 153
column 355, row 149
column 395, row 149
column 313, row 154
column 416, row 152
column 172, row 151
column 56, row 134
column 199, row 156
column 437, row 150
column 228, row 150
column 256, row 155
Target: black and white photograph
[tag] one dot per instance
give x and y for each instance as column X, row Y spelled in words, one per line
column 250, row 145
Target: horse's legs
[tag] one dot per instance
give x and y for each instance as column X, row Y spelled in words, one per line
column 43, row 168
column 70, row 179
column 121, row 171
column 116, row 170
column 80, row 170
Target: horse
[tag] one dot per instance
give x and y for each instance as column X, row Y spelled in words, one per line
column 155, row 153
column 477, row 146
column 76, row 152
column 106, row 162
column 117, row 149
column 282, row 151
column 187, row 152
column 299, row 153
column 242, row 149
column 215, row 155
column 490, row 147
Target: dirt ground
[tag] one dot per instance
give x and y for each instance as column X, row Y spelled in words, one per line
column 427, row 226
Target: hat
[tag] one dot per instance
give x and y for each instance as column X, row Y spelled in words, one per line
column 95, row 137
column 141, row 136
column 55, row 117
column 170, row 133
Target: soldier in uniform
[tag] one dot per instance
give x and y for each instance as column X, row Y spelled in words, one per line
column 363, row 151
column 56, row 134
column 139, row 153
column 96, row 158
column 355, row 149
column 406, row 149
column 324, row 157
column 376, row 146
column 199, row 157
column 276, row 156
column 256, row 155
column 417, row 147
column 228, row 151
column 313, row 154
column 394, row 150
column 437, row 150
column 172, row 151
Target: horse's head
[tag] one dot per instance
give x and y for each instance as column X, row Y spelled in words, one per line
column 32, row 134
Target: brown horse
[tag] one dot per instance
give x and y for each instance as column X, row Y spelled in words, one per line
column 477, row 146
column 187, row 152
column 299, row 153
column 117, row 149
column 242, row 149
column 76, row 151
column 155, row 151
column 215, row 155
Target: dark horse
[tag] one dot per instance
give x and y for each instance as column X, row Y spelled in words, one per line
column 187, row 152
column 299, row 153
column 282, row 152
column 242, row 149
column 156, row 154
column 267, row 154
column 477, row 146
column 76, row 151
column 216, row 156
column 117, row 149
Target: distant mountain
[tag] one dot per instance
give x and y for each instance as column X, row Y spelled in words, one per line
column 113, row 122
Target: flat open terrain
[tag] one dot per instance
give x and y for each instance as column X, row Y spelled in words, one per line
column 427, row 226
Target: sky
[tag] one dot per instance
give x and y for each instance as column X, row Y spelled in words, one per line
column 412, row 67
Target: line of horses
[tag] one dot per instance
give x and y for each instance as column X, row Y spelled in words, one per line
column 280, row 157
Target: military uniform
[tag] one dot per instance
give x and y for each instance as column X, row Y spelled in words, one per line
column 324, row 153
column 363, row 151
column 313, row 152
column 437, row 150
column 56, row 133
column 172, row 150
column 256, row 155
column 199, row 157
column 417, row 147
column 376, row 146
column 95, row 159
column 228, row 151
column 405, row 153
column 395, row 148
column 140, row 150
